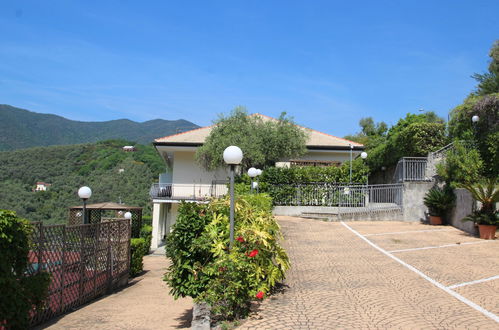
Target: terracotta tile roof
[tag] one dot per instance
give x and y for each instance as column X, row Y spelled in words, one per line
column 315, row 138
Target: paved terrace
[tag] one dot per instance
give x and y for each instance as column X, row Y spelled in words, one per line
column 383, row 275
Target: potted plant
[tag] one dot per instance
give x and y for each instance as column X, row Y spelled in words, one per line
column 438, row 201
column 486, row 217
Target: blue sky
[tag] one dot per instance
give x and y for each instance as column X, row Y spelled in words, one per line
column 326, row 63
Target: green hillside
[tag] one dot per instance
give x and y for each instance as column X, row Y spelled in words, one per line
column 69, row 167
column 21, row 128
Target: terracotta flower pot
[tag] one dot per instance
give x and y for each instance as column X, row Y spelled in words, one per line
column 435, row 220
column 487, row 231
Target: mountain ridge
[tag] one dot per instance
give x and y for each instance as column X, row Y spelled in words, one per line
column 21, row 128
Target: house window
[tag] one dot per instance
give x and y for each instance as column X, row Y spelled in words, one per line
column 316, row 163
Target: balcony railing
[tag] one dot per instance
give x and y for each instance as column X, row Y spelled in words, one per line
column 411, row 169
column 178, row 191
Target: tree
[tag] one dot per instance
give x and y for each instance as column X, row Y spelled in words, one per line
column 484, row 133
column 263, row 142
column 488, row 82
column 371, row 133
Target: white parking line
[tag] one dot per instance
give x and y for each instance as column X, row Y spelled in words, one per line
column 473, row 282
column 426, row 277
column 408, row 232
column 440, row 246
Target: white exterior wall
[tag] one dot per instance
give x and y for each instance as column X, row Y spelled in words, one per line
column 191, row 180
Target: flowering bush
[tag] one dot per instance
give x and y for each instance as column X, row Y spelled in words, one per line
column 204, row 267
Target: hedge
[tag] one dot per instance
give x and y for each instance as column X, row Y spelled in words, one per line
column 20, row 291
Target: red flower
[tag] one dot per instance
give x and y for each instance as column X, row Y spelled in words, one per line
column 253, row 253
column 260, row 295
column 240, row 239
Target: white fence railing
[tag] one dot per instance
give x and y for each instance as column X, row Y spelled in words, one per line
column 344, row 199
column 411, row 169
column 187, row 191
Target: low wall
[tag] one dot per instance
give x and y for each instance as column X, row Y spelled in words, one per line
column 463, row 207
column 414, row 192
column 296, row 211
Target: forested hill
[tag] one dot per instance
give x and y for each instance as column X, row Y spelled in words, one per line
column 67, row 168
column 21, row 128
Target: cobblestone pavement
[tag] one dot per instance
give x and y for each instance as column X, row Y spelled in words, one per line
column 338, row 280
column 144, row 304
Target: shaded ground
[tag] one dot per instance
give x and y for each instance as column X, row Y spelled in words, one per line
column 144, row 304
column 383, row 275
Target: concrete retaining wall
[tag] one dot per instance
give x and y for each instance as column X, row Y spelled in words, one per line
column 296, row 211
column 464, row 206
column 414, row 209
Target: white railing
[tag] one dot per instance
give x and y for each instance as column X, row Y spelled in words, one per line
column 371, row 199
column 411, row 169
column 178, row 191
column 342, row 198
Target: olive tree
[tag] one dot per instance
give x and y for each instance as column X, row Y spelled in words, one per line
column 263, row 141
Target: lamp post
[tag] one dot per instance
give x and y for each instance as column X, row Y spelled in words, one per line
column 84, row 193
column 259, row 172
column 475, row 120
column 252, row 172
column 363, row 155
column 351, row 155
column 232, row 156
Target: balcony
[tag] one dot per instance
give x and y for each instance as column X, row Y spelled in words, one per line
column 193, row 192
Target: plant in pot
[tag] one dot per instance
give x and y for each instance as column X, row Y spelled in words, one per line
column 438, row 201
column 487, row 217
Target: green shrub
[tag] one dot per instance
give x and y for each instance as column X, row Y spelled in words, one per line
column 204, row 267
column 146, row 234
column 20, row 291
column 185, row 274
column 137, row 251
column 147, row 220
column 439, row 201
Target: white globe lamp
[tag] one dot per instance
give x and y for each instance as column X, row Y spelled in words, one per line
column 128, row 215
column 233, row 155
column 363, row 155
column 252, row 172
column 84, row 192
column 475, row 119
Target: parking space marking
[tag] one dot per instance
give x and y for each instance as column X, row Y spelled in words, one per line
column 408, row 232
column 474, row 282
column 439, row 246
column 426, row 277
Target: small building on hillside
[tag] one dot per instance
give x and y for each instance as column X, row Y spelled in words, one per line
column 129, row 148
column 185, row 180
column 42, row 186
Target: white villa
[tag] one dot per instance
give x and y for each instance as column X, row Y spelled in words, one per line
column 185, row 180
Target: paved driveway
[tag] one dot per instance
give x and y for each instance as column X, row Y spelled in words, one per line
column 144, row 304
column 383, row 275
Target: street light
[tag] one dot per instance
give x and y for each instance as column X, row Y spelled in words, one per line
column 84, row 193
column 363, row 155
column 128, row 215
column 232, row 156
column 252, row 172
column 475, row 119
column 351, row 155
column 259, row 172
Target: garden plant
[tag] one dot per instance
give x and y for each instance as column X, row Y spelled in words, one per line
column 204, row 267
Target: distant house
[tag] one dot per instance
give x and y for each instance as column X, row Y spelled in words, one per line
column 42, row 186
column 129, row 148
column 185, row 180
